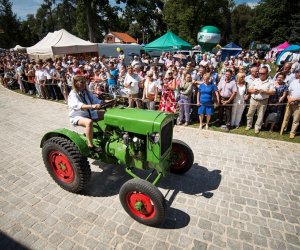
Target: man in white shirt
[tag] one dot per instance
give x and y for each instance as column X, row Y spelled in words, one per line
column 252, row 77
column 293, row 107
column 40, row 81
column 295, row 65
column 264, row 63
column 131, row 84
column 260, row 91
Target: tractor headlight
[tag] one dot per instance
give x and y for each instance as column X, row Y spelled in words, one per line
column 154, row 137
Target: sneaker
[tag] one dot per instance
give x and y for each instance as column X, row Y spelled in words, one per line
column 292, row 136
column 256, row 131
column 206, row 126
column 200, row 127
column 179, row 123
column 186, row 124
column 247, row 128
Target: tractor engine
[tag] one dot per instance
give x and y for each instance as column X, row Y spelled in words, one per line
column 139, row 138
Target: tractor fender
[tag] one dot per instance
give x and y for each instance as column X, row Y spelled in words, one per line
column 71, row 135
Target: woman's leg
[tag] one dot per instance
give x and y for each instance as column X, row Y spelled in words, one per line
column 88, row 124
column 201, row 120
column 208, row 119
column 238, row 115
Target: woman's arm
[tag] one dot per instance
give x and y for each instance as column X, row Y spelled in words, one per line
column 198, row 98
column 172, row 85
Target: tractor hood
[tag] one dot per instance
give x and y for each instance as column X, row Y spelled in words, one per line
column 139, row 121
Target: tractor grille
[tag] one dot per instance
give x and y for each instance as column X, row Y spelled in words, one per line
column 166, row 137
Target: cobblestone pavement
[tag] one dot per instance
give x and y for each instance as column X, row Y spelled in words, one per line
column 242, row 192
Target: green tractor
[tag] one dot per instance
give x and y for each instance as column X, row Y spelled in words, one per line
column 136, row 139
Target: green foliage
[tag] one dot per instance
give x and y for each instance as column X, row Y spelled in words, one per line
column 271, row 21
column 9, row 36
column 241, row 18
column 186, row 17
column 144, row 18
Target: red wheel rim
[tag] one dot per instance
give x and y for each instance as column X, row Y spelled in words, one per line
column 140, row 205
column 61, row 166
column 179, row 157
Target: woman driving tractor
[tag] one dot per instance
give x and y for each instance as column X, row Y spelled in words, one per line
column 83, row 107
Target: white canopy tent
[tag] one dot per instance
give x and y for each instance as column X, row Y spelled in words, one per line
column 59, row 43
column 18, row 48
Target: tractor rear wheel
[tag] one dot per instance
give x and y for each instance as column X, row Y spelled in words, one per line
column 143, row 202
column 68, row 168
column 182, row 157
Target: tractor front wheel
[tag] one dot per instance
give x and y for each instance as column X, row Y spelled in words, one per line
column 143, row 202
column 182, row 157
column 68, row 168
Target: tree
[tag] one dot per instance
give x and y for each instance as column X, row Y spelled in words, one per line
column 241, row 18
column 270, row 23
column 185, row 17
column 144, row 18
column 9, row 24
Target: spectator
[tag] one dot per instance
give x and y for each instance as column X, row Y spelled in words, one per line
column 132, row 82
column 185, row 94
column 295, row 65
column 274, row 111
column 239, row 100
column 286, row 70
column 51, row 84
column 293, row 107
column 205, row 100
column 40, row 81
column 167, row 101
column 260, row 91
column 264, row 63
column 227, row 89
column 252, row 77
column 112, row 75
column 150, row 91
column 30, row 73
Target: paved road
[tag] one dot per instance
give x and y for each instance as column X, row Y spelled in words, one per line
column 242, row 192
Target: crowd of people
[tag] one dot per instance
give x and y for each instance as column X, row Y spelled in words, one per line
column 199, row 87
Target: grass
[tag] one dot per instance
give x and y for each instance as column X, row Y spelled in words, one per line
column 265, row 134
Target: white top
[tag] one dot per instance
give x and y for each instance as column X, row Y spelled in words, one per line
column 258, row 84
column 250, row 79
column 294, row 89
column 49, row 72
column 134, row 79
column 75, row 102
column 40, row 75
column 150, row 87
column 239, row 98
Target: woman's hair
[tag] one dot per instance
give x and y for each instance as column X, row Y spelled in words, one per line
column 206, row 75
column 280, row 74
column 77, row 79
column 239, row 76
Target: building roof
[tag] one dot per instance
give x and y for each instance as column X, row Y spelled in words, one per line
column 124, row 37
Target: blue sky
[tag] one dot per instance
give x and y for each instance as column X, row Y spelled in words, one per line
column 24, row 7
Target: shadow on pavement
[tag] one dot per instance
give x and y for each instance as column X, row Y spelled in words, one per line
column 197, row 181
column 7, row 242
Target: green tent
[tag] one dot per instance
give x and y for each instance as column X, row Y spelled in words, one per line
column 168, row 42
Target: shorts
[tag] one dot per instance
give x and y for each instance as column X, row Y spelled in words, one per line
column 206, row 110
